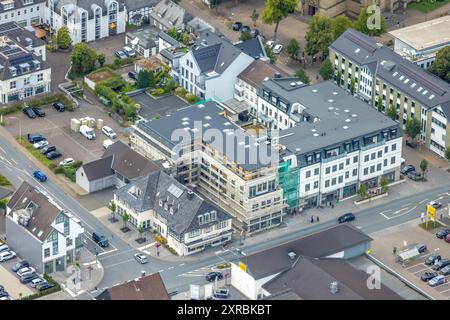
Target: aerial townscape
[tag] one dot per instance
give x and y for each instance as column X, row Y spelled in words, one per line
column 234, row 150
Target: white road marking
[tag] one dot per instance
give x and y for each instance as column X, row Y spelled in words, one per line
column 161, row 271
column 2, row 150
column 182, row 264
column 116, row 264
column 106, row 252
column 14, row 161
column 146, row 246
column 171, row 268
column 400, row 210
column 424, row 200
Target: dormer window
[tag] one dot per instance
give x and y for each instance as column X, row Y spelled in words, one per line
column 7, row 5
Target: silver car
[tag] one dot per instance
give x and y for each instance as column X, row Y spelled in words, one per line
column 141, row 258
column 7, row 255
column 36, row 282
column 26, row 271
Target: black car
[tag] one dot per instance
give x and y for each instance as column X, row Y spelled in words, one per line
column 38, row 112
column 44, row 286
column 254, row 33
column 440, row 264
column 213, row 275
column 19, row 265
column 47, row 149
column 432, row 259
column 428, row 276
column 29, row 278
column 421, row 248
column 245, row 28
column 415, row 176
column 29, row 113
column 133, row 75
column 53, row 155
column 3, row 294
column 59, row 107
column 237, row 26
column 441, row 234
column 100, row 239
column 408, row 168
column 346, row 218
column 34, row 138
column 411, row 144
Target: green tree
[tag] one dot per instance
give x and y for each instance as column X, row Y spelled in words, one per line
column 352, row 86
column 63, row 38
column 447, row 153
column 113, row 208
column 423, row 167
column 391, row 112
column 270, row 54
column 340, row 25
column 326, row 70
column 83, row 58
column 254, row 16
column 362, row 191
column 301, row 74
column 245, row 36
column 125, row 218
column 101, row 59
column 215, row 4
column 140, row 231
column 366, row 23
column 145, row 79
column 319, row 35
column 276, row 10
column 380, row 104
column 293, row 48
column 339, row 75
column 384, row 184
column 441, row 66
column 185, row 38
column 412, row 127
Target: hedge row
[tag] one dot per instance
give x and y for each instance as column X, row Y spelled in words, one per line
column 48, row 100
column 56, row 288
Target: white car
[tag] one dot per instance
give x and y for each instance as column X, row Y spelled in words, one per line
column 141, row 258
column 26, row 271
column 37, row 281
column 270, row 43
column 107, row 143
column 66, row 162
column 277, row 49
column 107, row 131
column 40, row 144
column 7, row 255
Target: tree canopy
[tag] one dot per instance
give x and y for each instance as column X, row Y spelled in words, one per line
column 83, row 58
column 441, row 66
column 301, row 74
column 340, row 25
column 276, row 10
column 370, row 23
column 319, row 35
column 293, row 48
column 63, row 38
column 326, row 70
column 412, row 127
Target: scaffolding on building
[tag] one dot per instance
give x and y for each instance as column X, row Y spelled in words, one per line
column 289, row 181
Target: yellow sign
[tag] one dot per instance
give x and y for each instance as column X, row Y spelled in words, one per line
column 431, row 212
column 242, row 266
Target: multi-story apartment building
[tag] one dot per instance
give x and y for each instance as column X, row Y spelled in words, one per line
column 188, row 222
column 385, row 80
column 249, row 82
column 420, row 42
column 23, row 73
column 41, row 232
column 25, row 12
column 211, row 66
column 224, row 163
column 87, row 20
column 167, row 15
column 338, row 144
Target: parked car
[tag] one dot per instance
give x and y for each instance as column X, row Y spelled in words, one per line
column 40, row 144
column 107, row 131
column 3, row 294
column 438, row 280
column 141, row 258
column 254, row 33
column 59, row 106
column 121, row 55
column 440, row 264
column 107, row 143
column 25, row 271
column 245, row 28
column 129, row 52
column 39, row 112
column 346, row 218
column 415, row 176
column 222, row 293
column 34, row 138
column 7, row 255
column 270, row 44
column 407, row 169
column 100, row 240
column 421, row 247
column 87, row 132
column 19, row 265
column 28, row 278
column 445, row 271
column 4, row 247
column 426, row 276
column 411, row 144
column 133, row 75
column 441, row 234
column 53, row 155
column 432, row 259
column 277, row 49
column 36, row 282
column 66, row 162
column 40, row 176
column 29, row 113
column 447, row 238
column 435, row 204
column 47, row 149
column 44, row 286
column 237, row 26
column 213, row 275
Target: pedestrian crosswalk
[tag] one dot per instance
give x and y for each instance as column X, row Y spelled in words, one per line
column 146, row 249
column 201, row 272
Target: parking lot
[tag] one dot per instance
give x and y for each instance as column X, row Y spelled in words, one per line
column 55, row 126
column 11, row 281
column 108, row 46
column 406, row 236
column 152, row 107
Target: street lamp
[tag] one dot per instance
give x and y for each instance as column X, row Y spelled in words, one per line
column 20, row 127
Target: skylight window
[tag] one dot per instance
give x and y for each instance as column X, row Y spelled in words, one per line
column 207, row 117
column 413, row 85
column 406, row 81
column 425, row 92
column 401, row 78
column 185, row 119
column 357, row 50
column 395, row 73
column 431, row 97
column 419, row 89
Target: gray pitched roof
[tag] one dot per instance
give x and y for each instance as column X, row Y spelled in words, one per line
column 98, row 169
column 161, row 193
column 133, row 5
column 168, row 39
column 21, row 4
column 170, row 14
column 257, row 71
column 148, row 37
column 253, row 47
column 393, row 69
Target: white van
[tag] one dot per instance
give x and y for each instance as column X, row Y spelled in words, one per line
column 87, row 132
column 129, row 52
column 107, row 143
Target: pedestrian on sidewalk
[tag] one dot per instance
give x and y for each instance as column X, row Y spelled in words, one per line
column 312, row 219
column 317, row 219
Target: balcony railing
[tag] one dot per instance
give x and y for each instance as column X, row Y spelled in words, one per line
column 339, row 156
column 373, row 145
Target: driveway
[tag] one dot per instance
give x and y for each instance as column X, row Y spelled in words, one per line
column 109, row 46
column 152, row 107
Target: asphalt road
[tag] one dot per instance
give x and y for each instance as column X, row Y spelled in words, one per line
column 118, row 259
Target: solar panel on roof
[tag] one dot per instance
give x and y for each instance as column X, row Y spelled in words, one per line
column 175, row 191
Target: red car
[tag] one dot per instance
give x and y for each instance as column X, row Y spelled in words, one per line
column 447, row 238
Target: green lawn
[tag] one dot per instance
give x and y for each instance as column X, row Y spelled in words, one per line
column 426, row 6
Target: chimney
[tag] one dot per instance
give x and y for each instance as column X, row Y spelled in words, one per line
column 277, row 75
column 292, row 255
column 190, row 195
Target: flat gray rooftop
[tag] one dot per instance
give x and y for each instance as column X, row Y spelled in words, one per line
column 151, row 107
